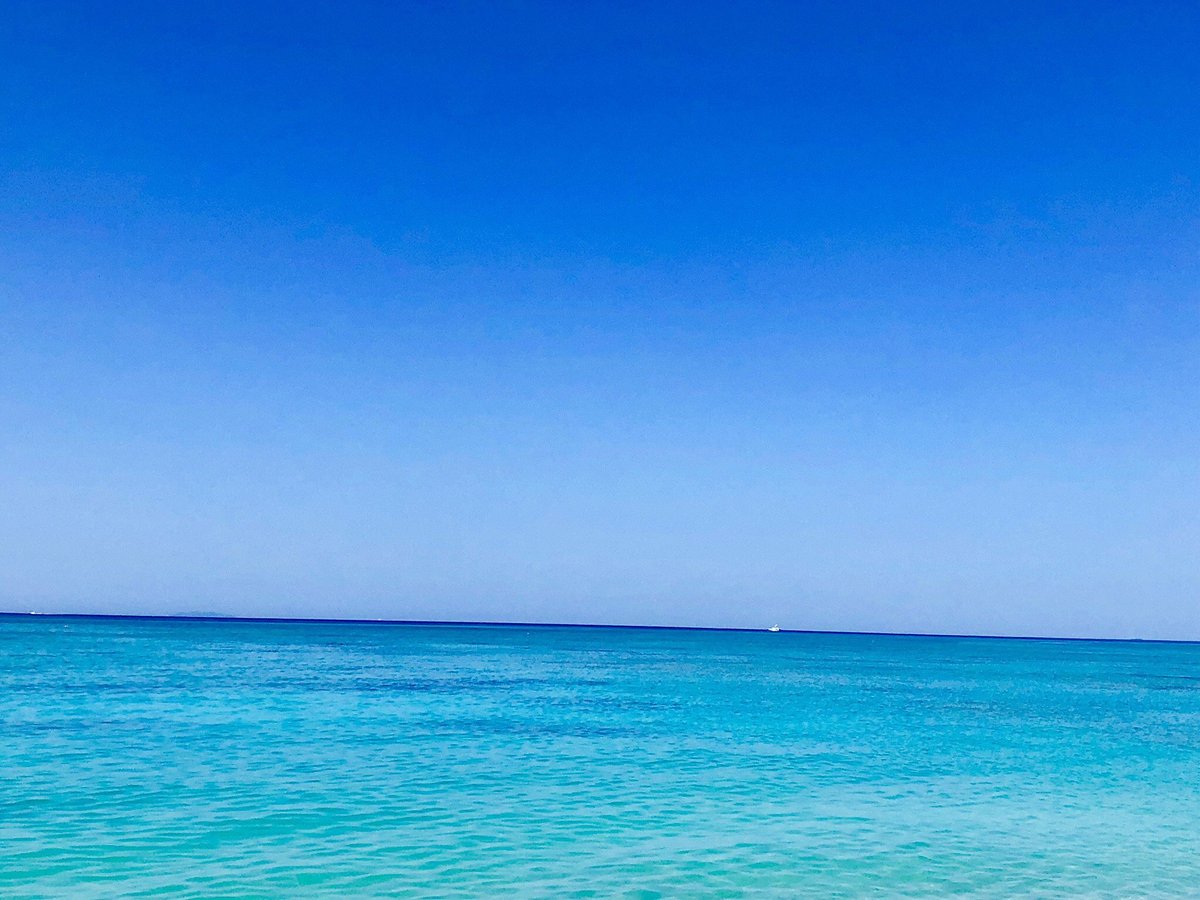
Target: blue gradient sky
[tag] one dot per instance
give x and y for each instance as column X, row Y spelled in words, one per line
column 831, row 315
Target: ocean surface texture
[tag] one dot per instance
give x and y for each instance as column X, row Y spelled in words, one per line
column 220, row 759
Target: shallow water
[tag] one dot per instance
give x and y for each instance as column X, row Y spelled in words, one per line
column 145, row 757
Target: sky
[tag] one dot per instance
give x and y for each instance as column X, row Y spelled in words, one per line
column 841, row 316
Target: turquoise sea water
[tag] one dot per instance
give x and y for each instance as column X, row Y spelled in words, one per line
column 218, row 759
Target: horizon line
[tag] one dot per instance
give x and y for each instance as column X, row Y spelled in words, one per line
column 300, row 620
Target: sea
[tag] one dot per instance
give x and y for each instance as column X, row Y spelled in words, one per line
column 212, row 758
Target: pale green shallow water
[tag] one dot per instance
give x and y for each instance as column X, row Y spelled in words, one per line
column 214, row 759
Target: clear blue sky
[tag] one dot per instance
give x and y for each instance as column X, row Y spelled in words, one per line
column 851, row 316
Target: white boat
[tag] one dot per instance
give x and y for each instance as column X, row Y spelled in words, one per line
column 773, row 628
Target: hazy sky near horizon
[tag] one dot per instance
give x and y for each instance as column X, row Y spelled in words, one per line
column 835, row 315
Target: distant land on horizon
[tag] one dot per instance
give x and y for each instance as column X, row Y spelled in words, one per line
column 300, row 620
